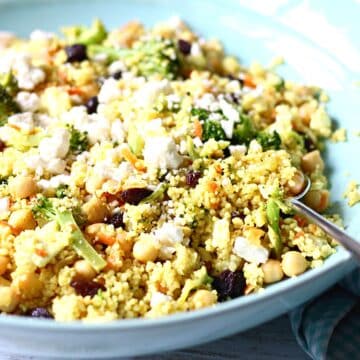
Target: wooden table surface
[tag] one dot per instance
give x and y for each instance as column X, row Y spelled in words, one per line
column 271, row 341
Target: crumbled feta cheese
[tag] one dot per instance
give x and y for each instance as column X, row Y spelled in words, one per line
column 4, row 206
column 117, row 131
column 254, row 147
column 55, row 166
column 152, row 128
column 168, row 235
column 56, row 146
column 27, row 101
column 116, row 66
column 109, row 91
column 54, row 182
column 205, row 101
column 43, row 120
column 197, row 142
column 229, row 111
column 195, row 50
column 228, row 127
column 41, row 35
column 173, row 101
column 147, row 94
column 98, row 128
column 161, row 152
column 112, row 171
column 250, row 252
column 158, row 298
column 23, row 121
column 35, row 163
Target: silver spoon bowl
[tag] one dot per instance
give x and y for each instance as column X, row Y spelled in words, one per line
column 334, row 231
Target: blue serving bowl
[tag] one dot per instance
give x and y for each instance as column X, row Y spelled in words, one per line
column 318, row 42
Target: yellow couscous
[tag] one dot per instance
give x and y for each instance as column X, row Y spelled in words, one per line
column 145, row 172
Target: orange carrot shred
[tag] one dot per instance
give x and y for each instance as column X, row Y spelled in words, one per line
column 198, row 128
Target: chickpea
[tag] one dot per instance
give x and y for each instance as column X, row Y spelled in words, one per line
column 312, row 161
column 297, row 183
column 96, row 210
column 204, row 298
column 22, row 219
column 293, row 263
column 9, row 299
column 22, row 187
column 28, row 285
column 317, row 199
column 145, row 250
column 272, row 271
column 4, row 262
column 84, row 270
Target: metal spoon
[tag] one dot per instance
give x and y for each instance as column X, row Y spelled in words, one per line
column 344, row 239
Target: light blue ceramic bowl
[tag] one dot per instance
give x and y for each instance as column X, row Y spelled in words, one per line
column 318, row 43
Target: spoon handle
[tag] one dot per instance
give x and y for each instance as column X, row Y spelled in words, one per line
column 344, row 239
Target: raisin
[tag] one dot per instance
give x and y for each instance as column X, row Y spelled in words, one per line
column 40, row 312
column 229, row 284
column 184, row 47
column 309, row 143
column 86, row 287
column 135, row 195
column 76, row 52
column 92, row 104
column 117, row 75
column 117, row 220
column 192, row 178
column 2, row 146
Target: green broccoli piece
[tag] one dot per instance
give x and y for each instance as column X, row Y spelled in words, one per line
column 9, row 83
column 157, row 195
column 95, row 34
column 213, row 130
column 202, row 114
column 8, row 106
column 62, row 191
column 146, row 58
column 79, row 141
column 280, row 86
column 44, row 208
column 244, row 131
column 269, row 140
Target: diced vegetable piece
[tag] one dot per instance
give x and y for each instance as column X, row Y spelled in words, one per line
column 273, row 216
column 269, row 140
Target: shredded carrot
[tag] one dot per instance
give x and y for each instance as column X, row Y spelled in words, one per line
column 132, row 159
column 248, row 81
column 212, row 186
column 105, row 239
column 198, row 128
column 75, row 91
column 299, row 234
column 41, row 252
column 300, row 220
column 218, row 168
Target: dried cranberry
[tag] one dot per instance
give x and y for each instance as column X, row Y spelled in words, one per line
column 229, row 284
column 92, row 104
column 2, row 146
column 135, row 195
column 76, row 52
column 117, row 220
column 309, row 143
column 40, row 313
column 86, row 287
column 192, row 178
column 117, row 75
column 184, row 46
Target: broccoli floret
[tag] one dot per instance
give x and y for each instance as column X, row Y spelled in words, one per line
column 146, row 58
column 62, row 191
column 95, row 34
column 244, row 131
column 202, row 114
column 9, row 83
column 45, row 209
column 79, row 141
column 8, row 106
column 280, row 86
column 213, row 130
column 269, row 140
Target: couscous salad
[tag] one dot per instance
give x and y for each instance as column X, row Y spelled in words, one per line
column 145, row 172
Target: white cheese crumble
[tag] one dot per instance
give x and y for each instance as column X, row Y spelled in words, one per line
column 117, row 131
column 4, row 206
column 161, row 152
column 237, row 150
column 23, row 121
column 168, row 235
column 56, row 146
column 158, row 298
column 109, row 91
column 54, row 182
column 38, row 34
column 147, row 94
column 27, row 101
column 250, row 252
column 116, row 66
